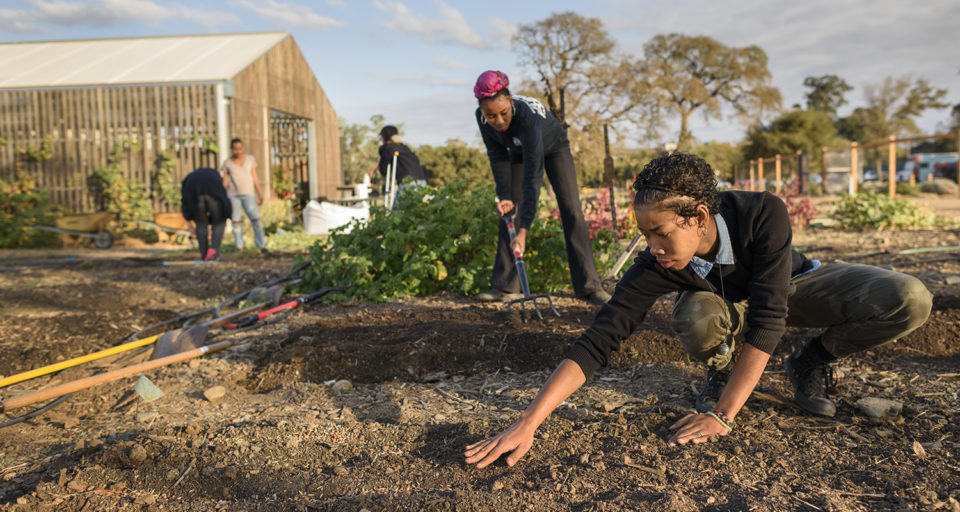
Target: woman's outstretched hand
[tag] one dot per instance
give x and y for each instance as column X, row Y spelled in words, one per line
column 517, row 440
column 696, row 428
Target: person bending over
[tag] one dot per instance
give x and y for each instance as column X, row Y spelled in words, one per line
column 741, row 283
column 205, row 204
column 522, row 139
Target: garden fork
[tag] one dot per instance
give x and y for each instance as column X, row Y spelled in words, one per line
column 522, row 276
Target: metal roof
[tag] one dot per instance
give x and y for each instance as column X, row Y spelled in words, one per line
column 146, row 60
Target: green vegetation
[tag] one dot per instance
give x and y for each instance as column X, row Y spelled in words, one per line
column 165, row 178
column 22, row 205
column 455, row 161
column 878, row 211
column 116, row 193
column 442, row 239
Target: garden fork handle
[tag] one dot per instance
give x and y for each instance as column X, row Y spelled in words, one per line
column 518, row 257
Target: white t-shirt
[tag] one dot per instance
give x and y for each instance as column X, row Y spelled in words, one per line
column 240, row 177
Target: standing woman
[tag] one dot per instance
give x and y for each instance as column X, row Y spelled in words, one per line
column 407, row 162
column 522, row 139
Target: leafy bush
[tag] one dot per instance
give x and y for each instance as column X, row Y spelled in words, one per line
column 799, row 207
column 454, row 161
column 596, row 211
column 941, row 186
column 115, row 193
column 22, row 205
column 904, row 188
column 441, row 239
column 879, row 211
column 168, row 187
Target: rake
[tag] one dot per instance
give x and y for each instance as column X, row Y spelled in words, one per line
column 524, row 284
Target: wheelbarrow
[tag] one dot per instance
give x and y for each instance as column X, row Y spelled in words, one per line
column 169, row 226
column 88, row 225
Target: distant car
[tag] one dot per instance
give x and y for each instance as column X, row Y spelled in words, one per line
column 870, row 175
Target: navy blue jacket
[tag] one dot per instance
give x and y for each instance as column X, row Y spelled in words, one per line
column 203, row 181
column 533, row 133
column 407, row 162
column 764, row 262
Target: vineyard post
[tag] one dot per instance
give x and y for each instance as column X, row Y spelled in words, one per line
column 778, row 173
column 823, row 169
column 854, row 165
column 892, row 167
column 760, row 182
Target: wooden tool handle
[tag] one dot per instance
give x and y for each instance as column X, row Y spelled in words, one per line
column 77, row 385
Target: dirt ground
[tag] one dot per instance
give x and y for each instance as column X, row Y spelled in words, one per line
column 428, row 376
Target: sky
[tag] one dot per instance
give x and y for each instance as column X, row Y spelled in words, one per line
column 415, row 61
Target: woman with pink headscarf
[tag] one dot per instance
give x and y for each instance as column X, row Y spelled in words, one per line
column 523, row 139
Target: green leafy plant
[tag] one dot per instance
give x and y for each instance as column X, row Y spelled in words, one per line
column 168, row 187
column 940, row 186
column 905, row 188
column 282, row 182
column 116, row 193
column 879, row 211
column 440, row 239
column 23, row 205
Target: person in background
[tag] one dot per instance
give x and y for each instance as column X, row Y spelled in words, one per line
column 522, row 139
column 741, row 283
column 407, row 162
column 205, row 204
column 240, row 179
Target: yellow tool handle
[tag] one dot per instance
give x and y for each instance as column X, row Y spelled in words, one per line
column 73, row 386
column 20, row 377
column 32, row 374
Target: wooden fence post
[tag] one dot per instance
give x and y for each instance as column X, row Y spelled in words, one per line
column 892, row 167
column 760, row 181
column 751, row 176
column 854, row 167
column 823, row 170
column 778, row 174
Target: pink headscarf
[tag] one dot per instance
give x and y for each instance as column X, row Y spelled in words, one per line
column 490, row 83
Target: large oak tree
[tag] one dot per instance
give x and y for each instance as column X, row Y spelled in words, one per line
column 688, row 74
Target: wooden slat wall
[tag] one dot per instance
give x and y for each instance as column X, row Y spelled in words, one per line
column 282, row 80
column 84, row 125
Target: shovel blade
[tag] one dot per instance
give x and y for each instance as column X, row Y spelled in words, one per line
column 179, row 340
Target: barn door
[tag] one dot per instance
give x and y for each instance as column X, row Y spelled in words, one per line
column 290, row 156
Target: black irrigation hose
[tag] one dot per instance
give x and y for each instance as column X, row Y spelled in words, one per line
column 36, row 412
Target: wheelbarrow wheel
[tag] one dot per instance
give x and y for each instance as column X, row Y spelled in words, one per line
column 103, row 240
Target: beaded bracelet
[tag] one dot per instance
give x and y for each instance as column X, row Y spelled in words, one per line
column 722, row 418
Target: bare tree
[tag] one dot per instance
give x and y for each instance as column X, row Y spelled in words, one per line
column 691, row 73
column 564, row 49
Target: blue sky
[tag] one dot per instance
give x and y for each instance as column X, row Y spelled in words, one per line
column 415, row 60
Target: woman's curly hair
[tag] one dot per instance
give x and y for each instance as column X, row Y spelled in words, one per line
column 678, row 182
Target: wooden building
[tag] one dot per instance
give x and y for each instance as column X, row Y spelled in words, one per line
column 185, row 97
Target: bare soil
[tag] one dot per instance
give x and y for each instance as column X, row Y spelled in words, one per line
column 430, row 375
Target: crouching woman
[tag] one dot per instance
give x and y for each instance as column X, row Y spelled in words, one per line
column 729, row 255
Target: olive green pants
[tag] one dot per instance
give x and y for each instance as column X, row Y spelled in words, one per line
column 859, row 306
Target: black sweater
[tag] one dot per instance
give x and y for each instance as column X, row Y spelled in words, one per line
column 407, row 162
column 764, row 262
column 203, row 181
column 532, row 134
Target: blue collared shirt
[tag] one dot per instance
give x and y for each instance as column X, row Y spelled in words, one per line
column 724, row 254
